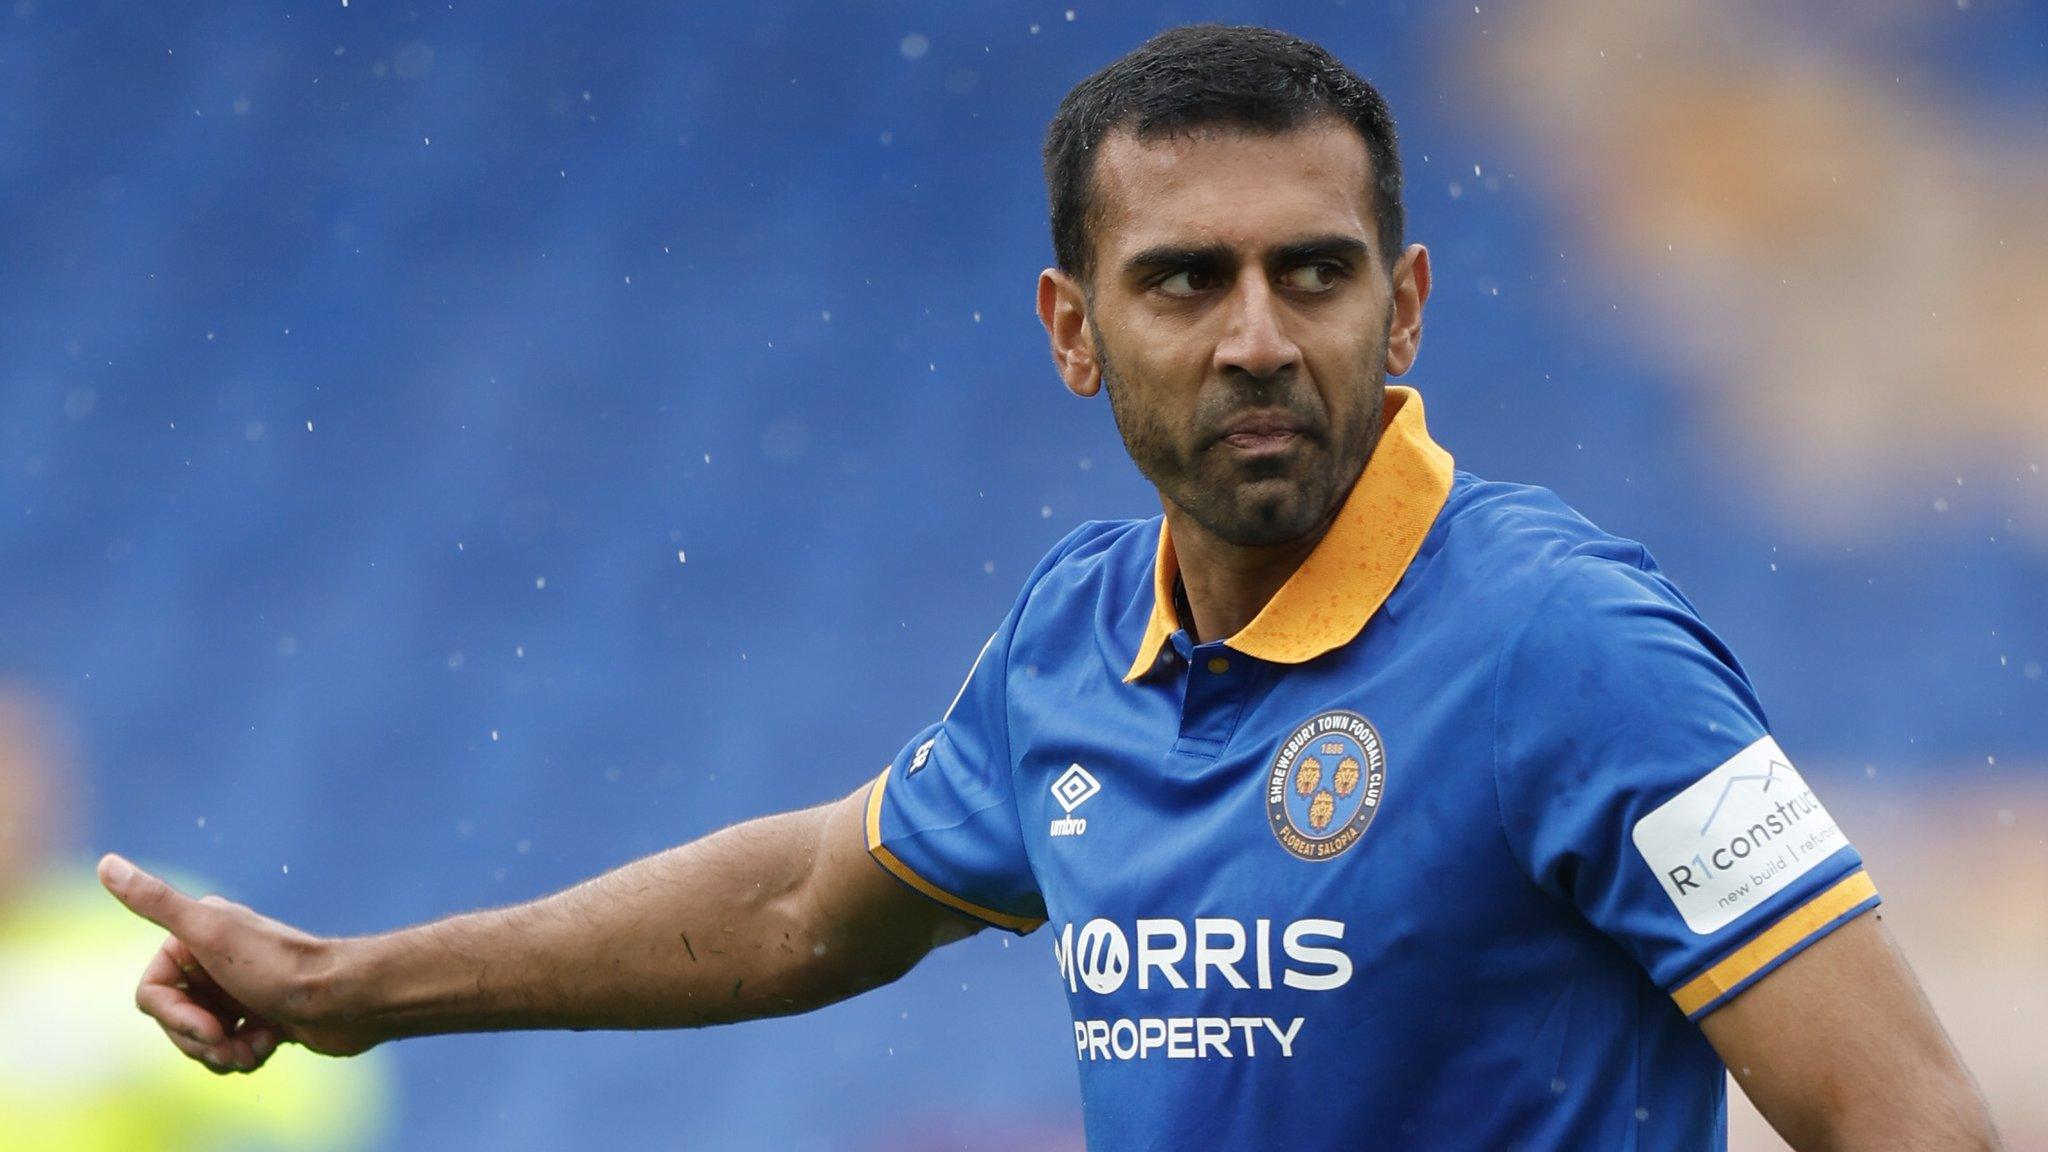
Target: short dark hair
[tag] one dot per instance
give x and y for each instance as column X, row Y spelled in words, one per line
column 1211, row 75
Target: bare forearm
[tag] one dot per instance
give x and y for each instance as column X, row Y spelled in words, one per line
column 727, row 928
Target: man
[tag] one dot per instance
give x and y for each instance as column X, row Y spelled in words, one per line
column 1372, row 804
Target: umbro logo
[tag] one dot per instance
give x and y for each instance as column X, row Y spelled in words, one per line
column 921, row 757
column 1072, row 790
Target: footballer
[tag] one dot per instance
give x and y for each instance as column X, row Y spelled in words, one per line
column 1361, row 801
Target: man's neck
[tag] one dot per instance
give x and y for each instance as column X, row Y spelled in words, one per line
column 1229, row 584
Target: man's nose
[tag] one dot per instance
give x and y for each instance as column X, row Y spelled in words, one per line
column 1255, row 339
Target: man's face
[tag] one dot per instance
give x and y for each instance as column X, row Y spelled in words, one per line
column 1239, row 314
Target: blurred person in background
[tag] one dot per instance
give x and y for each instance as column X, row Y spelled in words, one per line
column 79, row 1070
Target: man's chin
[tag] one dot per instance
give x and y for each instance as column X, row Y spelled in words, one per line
column 1264, row 514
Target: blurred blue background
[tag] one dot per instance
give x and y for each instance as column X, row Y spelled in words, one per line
column 452, row 449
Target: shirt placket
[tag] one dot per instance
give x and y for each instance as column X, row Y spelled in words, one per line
column 1215, row 683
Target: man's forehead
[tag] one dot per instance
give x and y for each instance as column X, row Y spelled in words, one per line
column 1231, row 185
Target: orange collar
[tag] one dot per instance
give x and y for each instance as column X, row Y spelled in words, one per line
column 1353, row 568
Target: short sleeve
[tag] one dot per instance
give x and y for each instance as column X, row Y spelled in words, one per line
column 1638, row 781
column 943, row 817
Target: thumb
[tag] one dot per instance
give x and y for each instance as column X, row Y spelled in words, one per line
column 147, row 896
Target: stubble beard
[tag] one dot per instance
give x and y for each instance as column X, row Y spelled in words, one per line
column 1253, row 504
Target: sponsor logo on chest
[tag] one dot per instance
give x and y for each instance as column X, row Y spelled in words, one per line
column 1170, row 956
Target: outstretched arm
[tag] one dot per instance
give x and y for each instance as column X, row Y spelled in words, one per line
column 767, row 918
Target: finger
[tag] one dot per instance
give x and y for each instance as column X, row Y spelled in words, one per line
column 192, row 1048
column 189, row 967
column 228, row 1055
column 174, row 964
column 262, row 1036
column 208, row 1055
column 164, row 967
column 177, row 1013
column 184, row 964
column 149, row 897
column 194, row 1027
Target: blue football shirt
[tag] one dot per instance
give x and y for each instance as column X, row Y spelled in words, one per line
column 1448, row 848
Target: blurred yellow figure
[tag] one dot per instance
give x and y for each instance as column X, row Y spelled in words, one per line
column 80, row 1069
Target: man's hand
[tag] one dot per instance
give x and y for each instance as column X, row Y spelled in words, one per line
column 229, row 985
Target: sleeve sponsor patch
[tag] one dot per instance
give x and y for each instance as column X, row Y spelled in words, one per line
column 1739, row 835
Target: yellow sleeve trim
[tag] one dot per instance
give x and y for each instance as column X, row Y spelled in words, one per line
column 903, row 872
column 1781, row 937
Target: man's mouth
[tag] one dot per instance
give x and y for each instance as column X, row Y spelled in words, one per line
column 1261, row 434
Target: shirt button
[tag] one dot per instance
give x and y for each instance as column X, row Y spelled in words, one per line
column 1218, row 665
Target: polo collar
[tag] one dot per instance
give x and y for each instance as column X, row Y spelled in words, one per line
column 1352, row 569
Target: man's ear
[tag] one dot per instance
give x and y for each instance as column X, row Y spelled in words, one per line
column 1063, row 309
column 1411, row 291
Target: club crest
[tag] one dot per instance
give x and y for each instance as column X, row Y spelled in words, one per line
column 1325, row 784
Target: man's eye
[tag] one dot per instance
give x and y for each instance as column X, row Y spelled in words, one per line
column 1320, row 276
column 1187, row 282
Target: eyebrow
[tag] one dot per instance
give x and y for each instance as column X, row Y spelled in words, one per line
column 1321, row 248
column 1290, row 254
